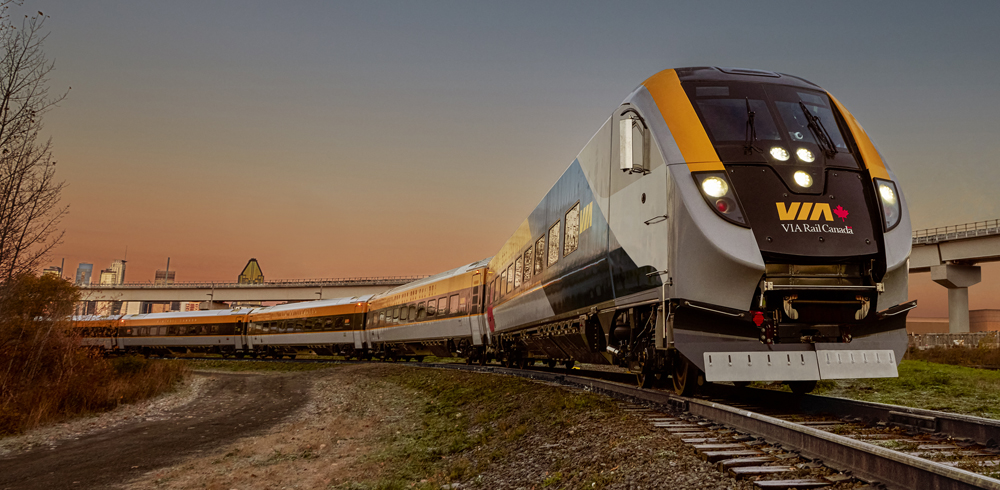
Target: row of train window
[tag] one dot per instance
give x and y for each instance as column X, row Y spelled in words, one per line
column 537, row 257
column 438, row 308
column 179, row 330
column 317, row 324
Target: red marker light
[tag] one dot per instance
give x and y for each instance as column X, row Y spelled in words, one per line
column 722, row 206
column 758, row 318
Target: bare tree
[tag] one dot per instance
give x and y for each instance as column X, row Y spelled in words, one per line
column 30, row 209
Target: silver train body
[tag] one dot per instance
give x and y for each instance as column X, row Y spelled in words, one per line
column 721, row 225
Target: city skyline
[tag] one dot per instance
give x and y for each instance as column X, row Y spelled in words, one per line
column 393, row 139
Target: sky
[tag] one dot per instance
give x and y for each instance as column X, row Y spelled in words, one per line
column 345, row 139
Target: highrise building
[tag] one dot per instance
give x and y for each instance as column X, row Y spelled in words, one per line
column 52, row 271
column 83, row 273
column 118, row 267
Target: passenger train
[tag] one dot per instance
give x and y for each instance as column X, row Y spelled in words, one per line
column 723, row 224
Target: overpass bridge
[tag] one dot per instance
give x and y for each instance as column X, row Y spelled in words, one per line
column 280, row 290
column 950, row 254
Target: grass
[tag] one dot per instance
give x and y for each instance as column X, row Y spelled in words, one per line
column 254, row 366
column 466, row 422
column 922, row 384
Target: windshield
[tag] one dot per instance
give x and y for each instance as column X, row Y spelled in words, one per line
column 777, row 116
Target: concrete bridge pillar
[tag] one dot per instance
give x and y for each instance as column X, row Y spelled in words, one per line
column 957, row 278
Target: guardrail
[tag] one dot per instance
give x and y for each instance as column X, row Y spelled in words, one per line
column 352, row 281
column 955, row 232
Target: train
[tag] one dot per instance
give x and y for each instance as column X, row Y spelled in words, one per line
column 722, row 225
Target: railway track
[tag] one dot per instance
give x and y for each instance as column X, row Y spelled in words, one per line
column 802, row 441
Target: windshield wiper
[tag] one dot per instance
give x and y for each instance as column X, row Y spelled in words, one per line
column 751, row 132
column 819, row 132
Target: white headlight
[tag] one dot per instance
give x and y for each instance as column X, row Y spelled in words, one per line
column 779, row 153
column 887, row 194
column 805, row 155
column 715, row 187
column 803, row 178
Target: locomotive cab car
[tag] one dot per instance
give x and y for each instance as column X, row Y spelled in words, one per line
column 722, row 225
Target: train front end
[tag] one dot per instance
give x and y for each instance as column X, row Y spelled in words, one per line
column 790, row 247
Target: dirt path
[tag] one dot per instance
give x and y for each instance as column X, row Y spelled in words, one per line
column 234, row 405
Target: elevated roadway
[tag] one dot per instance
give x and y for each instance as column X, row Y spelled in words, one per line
column 282, row 290
column 950, row 254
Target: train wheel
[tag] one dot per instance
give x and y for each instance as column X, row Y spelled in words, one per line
column 569, row 365
column 551, row 363
column 686, row 377
column 483, row 359
column 239, row 355
column 802, row 387
column 508, row 361
column 647, row 379
column 419, row 358
column 741, row 384
column 523, row 363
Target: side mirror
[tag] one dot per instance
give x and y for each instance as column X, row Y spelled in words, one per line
column 632, row 144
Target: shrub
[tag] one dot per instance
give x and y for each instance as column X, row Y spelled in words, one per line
column 46, row 376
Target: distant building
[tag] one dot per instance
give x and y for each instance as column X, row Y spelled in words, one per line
column 118, row 267
column 979, row 321
column 251, row 274
column 108, row 277
column 54, row 271
column 164, row 277
column 83, row 273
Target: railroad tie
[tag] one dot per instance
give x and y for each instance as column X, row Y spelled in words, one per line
column 786, row 484
column 741, row 472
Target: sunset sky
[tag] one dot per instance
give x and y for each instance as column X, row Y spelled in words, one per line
column 333, row 139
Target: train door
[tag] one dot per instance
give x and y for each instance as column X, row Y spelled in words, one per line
column 247, row 337
column 239, row 336
column 638, row 210
column 475, row 310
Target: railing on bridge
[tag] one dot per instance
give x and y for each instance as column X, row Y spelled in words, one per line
column 351, row 281
column 954, row 232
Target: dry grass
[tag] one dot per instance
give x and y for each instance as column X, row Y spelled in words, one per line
column 44, row 374
column 983, row 356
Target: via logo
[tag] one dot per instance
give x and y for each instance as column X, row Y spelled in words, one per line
column 807, row 211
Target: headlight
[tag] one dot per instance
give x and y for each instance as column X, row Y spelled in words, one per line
column 780, row 153
column 889, row 201
column 715, row 188
column 803, row 178
column 805, row 155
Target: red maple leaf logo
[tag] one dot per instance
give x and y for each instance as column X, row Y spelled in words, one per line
column 841, row 213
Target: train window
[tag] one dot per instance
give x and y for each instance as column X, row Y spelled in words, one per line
column 539, row 254
column 381, row 318
column 395, row 313
column 453, row 303
column 553, row 244
column 503, row 283
column 572, row 230
column 476, row 280
column 431, row 308
column 413, row 312
column 529, row 255
column 173, row 331
column 518, row 272
column 340, row 324
column 443, row 306
column 510, row 279
column 144, row 331
column 203, row 329
column 461, row 304
column 163, row 331
column 421, row 311
column 215, row 329
column 726, row 119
